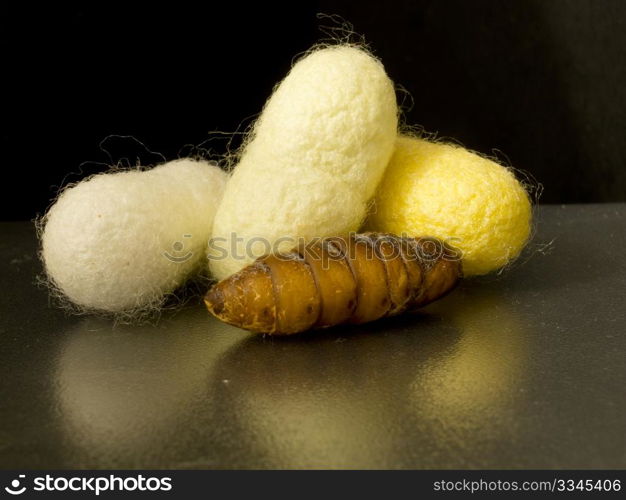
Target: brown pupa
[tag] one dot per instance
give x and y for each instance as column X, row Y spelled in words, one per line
column 336, row 280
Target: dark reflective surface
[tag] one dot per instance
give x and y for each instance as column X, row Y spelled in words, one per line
column 526, row 369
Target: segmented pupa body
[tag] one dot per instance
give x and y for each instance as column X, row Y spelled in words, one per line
column 355, row 279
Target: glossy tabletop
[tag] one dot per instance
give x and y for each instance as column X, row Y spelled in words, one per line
column 526, row 369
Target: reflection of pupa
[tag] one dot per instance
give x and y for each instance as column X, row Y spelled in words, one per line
column 119, row 242
column 314, row 159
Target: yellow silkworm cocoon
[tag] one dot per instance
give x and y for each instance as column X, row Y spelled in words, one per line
column 448, row 192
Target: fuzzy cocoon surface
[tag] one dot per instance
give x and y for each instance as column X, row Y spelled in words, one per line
column 446, row 191
column 314, row 158
column 120, row 242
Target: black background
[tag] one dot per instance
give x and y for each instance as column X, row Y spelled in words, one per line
column 541, row 81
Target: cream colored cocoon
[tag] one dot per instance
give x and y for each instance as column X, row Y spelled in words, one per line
column 314, row 158
column 119, row 242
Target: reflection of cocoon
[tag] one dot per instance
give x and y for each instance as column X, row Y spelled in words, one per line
column 446, row 191
column 315, row 156
column 475, row 388
column 318, row 412
column 120, row 242
column 484, row 369
column 117, row 413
